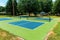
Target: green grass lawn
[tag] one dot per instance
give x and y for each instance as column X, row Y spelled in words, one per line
column 56, row 35
column 38, row 33
column 57, row 29
column 4, row 35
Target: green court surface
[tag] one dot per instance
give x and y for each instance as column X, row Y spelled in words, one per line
column 38, row 33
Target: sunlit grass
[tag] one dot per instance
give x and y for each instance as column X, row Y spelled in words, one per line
column 5, row 35
column 56, row 35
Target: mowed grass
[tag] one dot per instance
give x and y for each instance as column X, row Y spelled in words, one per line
column 4, row 35
column 36, row 34
column 56, row 35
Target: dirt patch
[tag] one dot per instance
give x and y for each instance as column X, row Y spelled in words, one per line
column 50, row 33
column 4, row 35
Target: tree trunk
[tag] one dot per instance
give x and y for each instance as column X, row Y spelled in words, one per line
column 29, row 14
column 13, row 7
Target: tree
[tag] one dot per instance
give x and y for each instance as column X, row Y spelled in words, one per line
column 30, row 6
column 15, row 10
column 35, row 6
column 2, row 9
column 21, row 5
column 48, row 6
column 57, row 7
column 42, row 5
column 11, row 7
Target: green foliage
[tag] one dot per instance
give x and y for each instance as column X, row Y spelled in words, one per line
column 2, row 9
column 34, row 6
column 11, row 7
column 28, row 6
column 57, row 7
column 48, row 6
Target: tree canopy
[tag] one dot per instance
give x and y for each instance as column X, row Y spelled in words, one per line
column 57, row 6
column 11, row 7
column 48, row 6
column 29, row 6
column 34, row 6
column 2, row 9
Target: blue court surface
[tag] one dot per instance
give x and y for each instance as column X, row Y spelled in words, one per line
column 43, row 19
column 2, row 19
column 27, row 24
